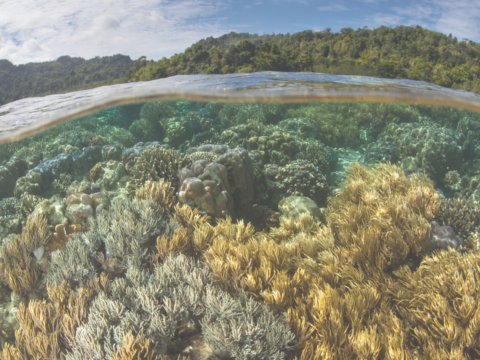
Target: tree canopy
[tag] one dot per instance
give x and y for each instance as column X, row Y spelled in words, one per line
column 409, row 52
column 62, row 75
column 402, row 52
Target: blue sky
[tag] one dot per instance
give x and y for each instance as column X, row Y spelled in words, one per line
column 41, row 30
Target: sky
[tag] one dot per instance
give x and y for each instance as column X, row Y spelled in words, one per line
column 41, row 30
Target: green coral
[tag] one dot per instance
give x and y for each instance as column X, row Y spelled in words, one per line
column 177, row 131
column 143, row 130
column 340, row 122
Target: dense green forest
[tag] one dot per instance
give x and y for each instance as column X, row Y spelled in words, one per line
column 63, row 75
column 402, row 52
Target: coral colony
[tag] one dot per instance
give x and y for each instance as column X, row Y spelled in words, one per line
column 180, row 230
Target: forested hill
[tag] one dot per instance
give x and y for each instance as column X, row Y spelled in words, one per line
column 63, row 75
column 401, row 52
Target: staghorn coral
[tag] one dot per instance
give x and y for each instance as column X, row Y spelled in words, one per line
column 243, row 329
column 72, row 264
column 178, row 291
column 128, row 229
column 154, row 163
column 135, row 348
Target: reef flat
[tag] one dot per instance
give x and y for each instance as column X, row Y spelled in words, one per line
column 178, row 229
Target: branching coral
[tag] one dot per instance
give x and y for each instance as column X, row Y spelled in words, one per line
column 381, row 216
column 154, row 163
column 72, row 264
column 48, row 329
column 127, row 230
column 302, row 178
column 439, row 302
column 178, row 291
column 462, row 215
column 21, row 271
column 161, row 192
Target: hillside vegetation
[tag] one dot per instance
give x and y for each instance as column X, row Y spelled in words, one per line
column 401, row 52
column 63, row 75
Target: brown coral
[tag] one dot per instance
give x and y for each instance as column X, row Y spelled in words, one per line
column 21, row 271
column 161, row 192
column 154, row 163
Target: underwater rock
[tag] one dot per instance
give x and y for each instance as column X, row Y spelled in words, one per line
column 111, row 152
column 303, row 127
column 295, row 206
column 442, row 238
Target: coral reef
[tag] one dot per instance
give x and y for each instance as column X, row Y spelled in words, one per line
column 382, row 205
column 127, row 229
column 9, row 173
column 276, row 148
column 20, row 269
column 302, row 178
column 218, row 188
column 143, row 130
column 426, row 148
column 161, row 192
column 303, row 127
column 294, row 206
column 154, row 163
column 462, row 215
column 154, row 305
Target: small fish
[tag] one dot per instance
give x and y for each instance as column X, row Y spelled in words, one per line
column 332, row 157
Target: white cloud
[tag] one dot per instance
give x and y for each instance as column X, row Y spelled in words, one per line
column 40, row 30
column 460, row 17
column 336, row 7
